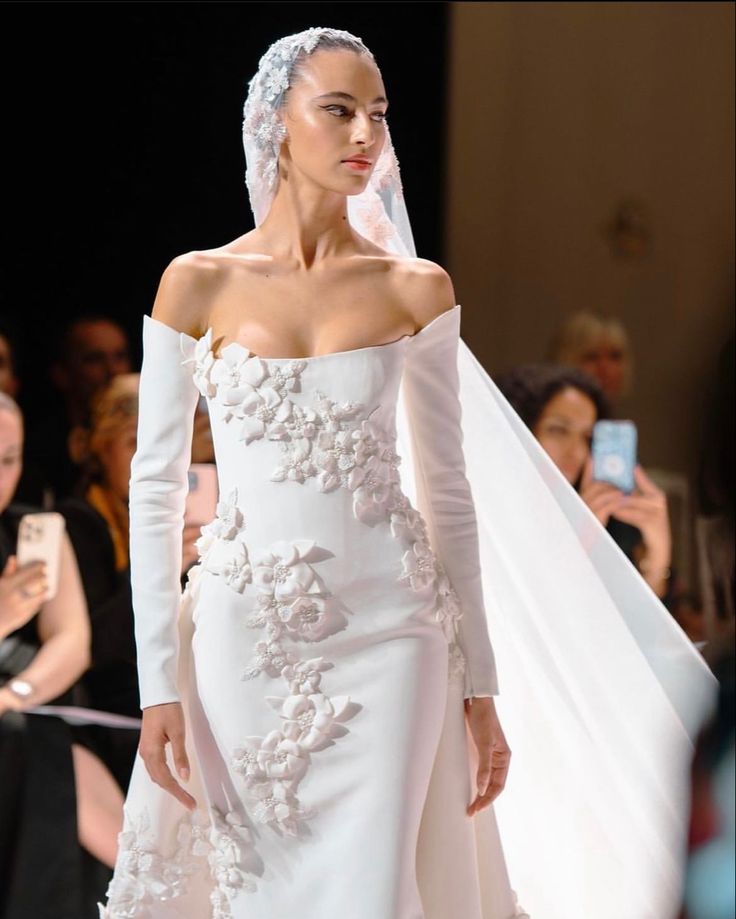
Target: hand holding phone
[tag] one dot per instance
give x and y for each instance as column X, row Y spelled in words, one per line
column 39, row 540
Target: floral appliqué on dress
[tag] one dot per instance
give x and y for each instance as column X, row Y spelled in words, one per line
column 145, row 876
column 338, row 445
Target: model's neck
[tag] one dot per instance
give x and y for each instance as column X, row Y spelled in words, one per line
column 307, row 224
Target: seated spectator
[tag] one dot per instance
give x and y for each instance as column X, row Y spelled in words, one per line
column 54, row 792
column 32, row 487
column 90, row 352
column 97, row 521
column 560, row 405
column 599, row 346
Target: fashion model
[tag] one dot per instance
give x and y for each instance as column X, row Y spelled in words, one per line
column 320, row 735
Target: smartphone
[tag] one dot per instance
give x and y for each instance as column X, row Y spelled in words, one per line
column 39, row 539
column 614, row 453
column 201, row 504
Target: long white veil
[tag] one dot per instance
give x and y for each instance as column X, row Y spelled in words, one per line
column 601, row 692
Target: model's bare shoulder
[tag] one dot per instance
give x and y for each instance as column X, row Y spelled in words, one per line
column 426, row 287
column 186, row 291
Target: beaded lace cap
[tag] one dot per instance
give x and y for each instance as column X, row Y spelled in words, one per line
column 379, row 212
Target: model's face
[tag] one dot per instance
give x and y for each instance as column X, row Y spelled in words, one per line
column 116, row 456
column 98, row 352
column 334, row 110
column 565, row 430
column 11, row 455
column 605, row 362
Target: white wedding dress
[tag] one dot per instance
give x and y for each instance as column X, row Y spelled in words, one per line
column 322, row 651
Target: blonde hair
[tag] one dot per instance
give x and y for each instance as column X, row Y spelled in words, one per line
column 585, row 330
column 113, row 408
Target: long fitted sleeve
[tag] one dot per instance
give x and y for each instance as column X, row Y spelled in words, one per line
column 158, row 490
column 431, row 397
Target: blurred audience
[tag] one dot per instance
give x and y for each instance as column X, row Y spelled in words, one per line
column 98, row 524
column 91, row 350
column 599, row 346
column 56, row 796
column 560, row 405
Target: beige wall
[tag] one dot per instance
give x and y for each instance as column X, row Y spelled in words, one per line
column 556, row 112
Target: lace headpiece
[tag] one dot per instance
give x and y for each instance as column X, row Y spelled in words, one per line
column 378, row 212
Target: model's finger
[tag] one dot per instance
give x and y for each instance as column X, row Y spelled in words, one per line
column 179, row 753
column 483, row 779
column 159, row 771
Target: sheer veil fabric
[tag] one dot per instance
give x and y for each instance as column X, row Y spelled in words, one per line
column 601, row 692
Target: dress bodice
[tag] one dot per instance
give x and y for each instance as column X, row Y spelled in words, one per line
column 310, row 469
column 327, row 420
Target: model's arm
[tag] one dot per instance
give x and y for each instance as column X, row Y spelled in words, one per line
column 158, row 489
column 158, row 485
column 431, row 392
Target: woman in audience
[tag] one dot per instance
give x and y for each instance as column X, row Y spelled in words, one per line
column 560, row 405
column 54, row 793
column 599, row 346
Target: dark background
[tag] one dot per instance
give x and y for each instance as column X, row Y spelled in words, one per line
column 122, row 143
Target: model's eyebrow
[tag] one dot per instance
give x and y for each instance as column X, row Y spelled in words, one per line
column 350, row 98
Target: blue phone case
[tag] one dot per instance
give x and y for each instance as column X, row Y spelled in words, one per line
column 614, row 453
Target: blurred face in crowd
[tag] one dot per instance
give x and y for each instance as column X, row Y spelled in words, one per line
column 116, row 455
column 11, row 455
column 605, row 362
column 565, row 430
column 8, row 380
column 97, row 351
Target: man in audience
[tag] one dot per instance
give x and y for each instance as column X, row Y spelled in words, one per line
column 92, row 349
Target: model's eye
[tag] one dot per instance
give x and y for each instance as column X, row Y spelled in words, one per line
column 340, row 111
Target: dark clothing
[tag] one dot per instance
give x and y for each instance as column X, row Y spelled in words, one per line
column 628, row 538
column 111, row 683
column 44, row 871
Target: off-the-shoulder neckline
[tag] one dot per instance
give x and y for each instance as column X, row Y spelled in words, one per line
column 314, row 357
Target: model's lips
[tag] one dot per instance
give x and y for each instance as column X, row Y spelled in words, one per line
column 358, row 159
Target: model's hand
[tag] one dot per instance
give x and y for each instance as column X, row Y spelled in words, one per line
column 164, row 724
column 22, row 591
column 494, row 755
